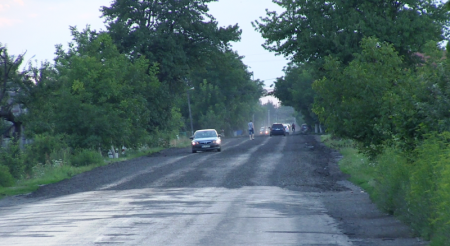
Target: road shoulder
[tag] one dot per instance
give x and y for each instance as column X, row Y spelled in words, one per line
column 358, row 216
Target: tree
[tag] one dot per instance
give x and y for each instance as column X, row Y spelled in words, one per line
column 294, row 89
column 358, row 101
column 428, row 99
column 97, row 96
column 309, row 31
column 224, row 92
column 179, row 35
column 12, row 86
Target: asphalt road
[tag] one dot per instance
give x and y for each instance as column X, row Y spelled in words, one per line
column 267, row 191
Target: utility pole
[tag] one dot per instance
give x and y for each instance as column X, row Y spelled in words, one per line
column 190, row 114
column 189, row 104
column 276, row 115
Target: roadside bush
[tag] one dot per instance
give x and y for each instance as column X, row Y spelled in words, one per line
column 337, row 143
column 392, row 181
column 180, row 142
column 427, row 201
column 442, row 221
column 60, row 157
column 160, row 139
column 85, row 157
column 6, row 179
column 413, row 185
column 12, row 157
column 42, row 148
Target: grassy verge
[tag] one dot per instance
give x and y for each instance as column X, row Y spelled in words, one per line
column 362, row 172
column 412, row 185
column 48, row 174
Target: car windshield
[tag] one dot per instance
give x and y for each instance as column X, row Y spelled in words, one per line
column 205, row 134
column 280, row 126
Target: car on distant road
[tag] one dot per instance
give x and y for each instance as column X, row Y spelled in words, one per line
column 264, row 131
column 287, row 128
column 277, row 129
column 304, row 129
column 206, row 140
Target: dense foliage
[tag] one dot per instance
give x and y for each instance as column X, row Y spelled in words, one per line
column 126, row 86
column 225, row 96
column 356, row 101
column 13, row 88
column 180, row 35
column 308, row 31
column 415, row 186
column 401, row 119
column 99, row 97
column 380, row 79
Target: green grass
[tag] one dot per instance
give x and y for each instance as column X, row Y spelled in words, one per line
column 48, row 174
column 413, row 186
column 362, row 172
column 45, row 174
column 182, row 142
column 360, row 169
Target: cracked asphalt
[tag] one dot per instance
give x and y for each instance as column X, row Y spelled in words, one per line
column 268, row 191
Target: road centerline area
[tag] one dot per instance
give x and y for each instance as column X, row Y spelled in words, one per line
column 267, row 191
column 188, row 216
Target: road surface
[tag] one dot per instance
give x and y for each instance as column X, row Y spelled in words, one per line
column 268, row 191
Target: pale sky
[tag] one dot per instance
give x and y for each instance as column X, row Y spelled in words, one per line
column 36, row 26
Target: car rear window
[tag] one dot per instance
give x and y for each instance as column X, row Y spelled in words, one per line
column 277, row 126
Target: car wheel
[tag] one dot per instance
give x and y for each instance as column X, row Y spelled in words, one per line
column 218, row 150
column 194, row 151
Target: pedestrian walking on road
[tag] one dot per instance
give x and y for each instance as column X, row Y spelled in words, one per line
column 251, row 131
column 293, row 127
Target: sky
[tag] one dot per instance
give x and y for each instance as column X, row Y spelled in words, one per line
column 36, row 26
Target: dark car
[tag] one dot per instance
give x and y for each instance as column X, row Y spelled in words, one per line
column 277, row 129
column 207, row 139
column 304, row 129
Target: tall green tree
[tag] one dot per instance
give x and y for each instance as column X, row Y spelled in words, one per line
column 377, row 102
column 358, row 101
column 428, row 99
column 13, row 89
column 180, row 35
column 310, row 30
column 97, row 96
